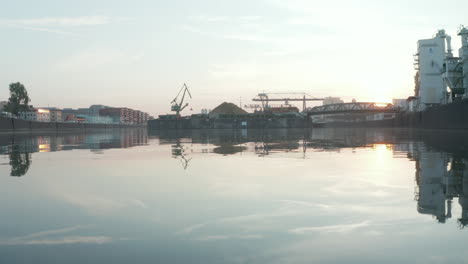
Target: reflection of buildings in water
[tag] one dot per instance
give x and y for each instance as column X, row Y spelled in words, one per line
column 51, row 143
column 267, row 148
column 227, row 149
column 431, row 177
column 267, row 142
column 440, row 177
column 19, row 147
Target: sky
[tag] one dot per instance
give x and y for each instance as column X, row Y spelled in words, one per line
column 139, row 53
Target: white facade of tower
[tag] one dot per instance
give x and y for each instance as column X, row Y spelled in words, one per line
column 463, row 33
column 430, row 59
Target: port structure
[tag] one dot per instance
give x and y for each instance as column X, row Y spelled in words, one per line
column 179, row 106
column 265, row 99
column 356, row 107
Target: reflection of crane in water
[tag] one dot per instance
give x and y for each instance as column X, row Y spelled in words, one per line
column 178, row 152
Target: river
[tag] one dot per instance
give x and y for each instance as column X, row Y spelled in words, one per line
column 243, row 196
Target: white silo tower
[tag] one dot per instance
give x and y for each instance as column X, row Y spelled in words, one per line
column 431, row 88
column 463, row 33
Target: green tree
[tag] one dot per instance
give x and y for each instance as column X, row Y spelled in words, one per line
column 19, row 99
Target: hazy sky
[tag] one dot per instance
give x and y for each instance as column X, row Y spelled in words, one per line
column 139, row 53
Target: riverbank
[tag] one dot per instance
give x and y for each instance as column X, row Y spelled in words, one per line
column 449, row 116
column 247, row 121
column 19, row 125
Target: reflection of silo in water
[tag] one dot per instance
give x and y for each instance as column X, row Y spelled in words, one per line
column 431, row 171
column 463, row 201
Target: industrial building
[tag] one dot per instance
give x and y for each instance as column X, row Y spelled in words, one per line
column 332, row 100
column 402, row 104
column 441, row 77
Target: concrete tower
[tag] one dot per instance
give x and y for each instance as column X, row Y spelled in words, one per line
column 464, row 57
column 430, row 84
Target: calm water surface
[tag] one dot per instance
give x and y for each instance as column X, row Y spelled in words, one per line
column 323, row 196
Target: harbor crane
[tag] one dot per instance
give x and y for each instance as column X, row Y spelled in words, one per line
column 179, row 106
column 265, row 98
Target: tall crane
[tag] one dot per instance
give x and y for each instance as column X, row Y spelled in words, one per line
column 178, row 106
column 265, row 98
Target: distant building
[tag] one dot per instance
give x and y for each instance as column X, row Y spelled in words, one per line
column 39, row 114
column 74, row 119
column 118, row 115
column 93, row 119
column 413, row 103
column 94, row 109
column 2, row 105
column 205, row 111
column 70, row 111
column 55, row 114
column 401, row 103
column 332, row 100
column 123, row 115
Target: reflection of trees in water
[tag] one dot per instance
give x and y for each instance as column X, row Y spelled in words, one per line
column 19, row 162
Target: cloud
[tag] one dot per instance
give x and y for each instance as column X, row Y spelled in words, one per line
column 49, row 237
column 307, row 204
column 57, row 24
column 138, row 203
column 228, row 237
column 98, row 58
column 58, row 21
column 61, row 241
column 49, row 30
column 207, row 18
column 329, row 228
column 192, row 228
column 237, row 71
column 239, row 220
column 223, row 19
column 50, row 232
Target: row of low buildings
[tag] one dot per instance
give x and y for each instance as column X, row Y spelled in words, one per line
column 96, row 114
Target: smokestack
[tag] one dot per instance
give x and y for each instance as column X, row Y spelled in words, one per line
column 449, row 46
